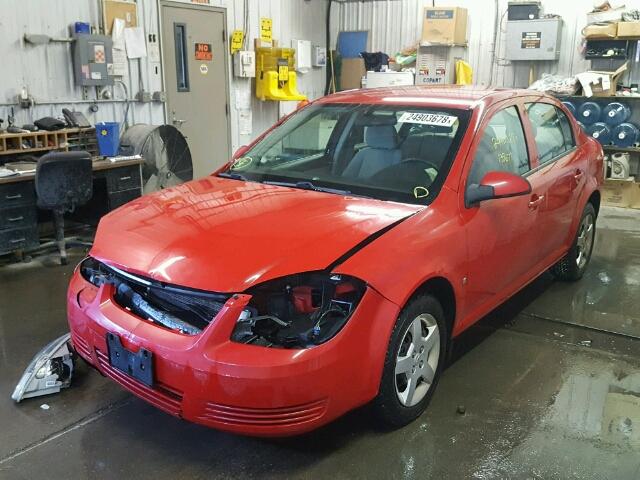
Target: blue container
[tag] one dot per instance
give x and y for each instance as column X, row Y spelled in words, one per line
column 625, row 135
column 571, row 107
column 601, row 132
column 82, row 27
column 589, row 113
column 108, row 138
column 616, row 113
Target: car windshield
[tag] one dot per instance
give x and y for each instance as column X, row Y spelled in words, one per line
column 399, row 153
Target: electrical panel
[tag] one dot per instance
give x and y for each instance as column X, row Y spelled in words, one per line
column 244, row 64
column 435, row 65
column 92, row 60
column 534, row 40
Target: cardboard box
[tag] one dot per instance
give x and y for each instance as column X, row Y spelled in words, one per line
column 351, row 74
column 628, row 29
column 635, row 197
column 605, row 30
column 445, row 25
column 600, row 84
column 619, row 193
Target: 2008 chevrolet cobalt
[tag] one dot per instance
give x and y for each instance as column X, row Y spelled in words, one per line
column 331, row 263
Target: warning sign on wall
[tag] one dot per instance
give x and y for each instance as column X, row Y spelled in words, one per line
column 204, row 53
column 531, row 39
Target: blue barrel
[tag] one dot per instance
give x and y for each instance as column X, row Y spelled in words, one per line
column 601, row 132
column 571, row 107
column 616, row 113
column 589, row 113
column 108, row 138
column 625, row 135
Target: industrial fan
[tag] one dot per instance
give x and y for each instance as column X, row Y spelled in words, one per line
column 167, row 159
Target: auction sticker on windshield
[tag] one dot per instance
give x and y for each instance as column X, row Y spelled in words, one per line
column 428, row 119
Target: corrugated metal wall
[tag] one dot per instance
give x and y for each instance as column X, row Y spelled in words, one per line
column 394, row 24
column 47, row 73
column 46, row 69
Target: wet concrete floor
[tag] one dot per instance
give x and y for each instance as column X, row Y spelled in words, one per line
column 550, row 383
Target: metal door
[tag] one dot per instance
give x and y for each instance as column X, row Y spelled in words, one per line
column 196, row 81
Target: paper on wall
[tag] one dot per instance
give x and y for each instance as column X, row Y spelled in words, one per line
column 243, row 98
column 117, row 33
column 245, row 121
column 135, row 43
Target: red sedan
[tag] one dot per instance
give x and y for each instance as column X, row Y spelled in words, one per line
column 331, row 262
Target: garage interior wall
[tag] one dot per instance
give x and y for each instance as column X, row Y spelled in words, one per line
column 406, row 28
column 46, row 71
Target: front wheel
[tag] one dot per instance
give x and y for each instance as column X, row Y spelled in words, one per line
column 414, row 362
column 572, row 266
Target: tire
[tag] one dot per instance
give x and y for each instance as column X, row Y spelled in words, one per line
column 572, row 266
column 395, row 404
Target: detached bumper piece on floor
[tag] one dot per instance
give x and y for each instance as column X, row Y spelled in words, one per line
column 49, row 371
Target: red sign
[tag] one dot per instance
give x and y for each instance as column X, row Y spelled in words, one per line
column 204, row 53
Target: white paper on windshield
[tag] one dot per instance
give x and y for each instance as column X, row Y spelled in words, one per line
column 437, row 119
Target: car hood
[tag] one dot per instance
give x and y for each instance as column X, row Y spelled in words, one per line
column 226, row 235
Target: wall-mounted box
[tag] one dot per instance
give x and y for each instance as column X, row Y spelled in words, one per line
column 533, row 40
column 445, row 25
column 435, row 65
column 92, row 60
column 244, row 64
column 520, row 10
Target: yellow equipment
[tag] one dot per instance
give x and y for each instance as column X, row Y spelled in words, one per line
column 275, row 75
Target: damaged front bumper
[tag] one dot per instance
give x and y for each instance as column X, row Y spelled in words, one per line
column 49, row 371
column 209, row 379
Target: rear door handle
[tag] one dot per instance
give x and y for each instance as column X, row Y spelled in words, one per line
column 535, row 201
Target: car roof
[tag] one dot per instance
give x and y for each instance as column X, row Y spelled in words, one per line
column 453, row 96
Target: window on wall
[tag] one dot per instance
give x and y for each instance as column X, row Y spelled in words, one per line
column 502, row 147
column 182, row 61
column 551, row 129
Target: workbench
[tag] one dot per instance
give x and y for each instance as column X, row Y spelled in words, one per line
column 115, row 183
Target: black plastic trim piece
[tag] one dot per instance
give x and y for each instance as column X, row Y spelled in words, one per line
column 359, row 246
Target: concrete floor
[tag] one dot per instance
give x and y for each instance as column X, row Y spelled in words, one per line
column 550, row 383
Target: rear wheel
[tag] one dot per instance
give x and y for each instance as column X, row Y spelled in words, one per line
column 573, row 265
column 414, row 362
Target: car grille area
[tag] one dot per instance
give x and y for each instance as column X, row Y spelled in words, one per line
column 283, row 416
column 163, row 397
column 182, row 309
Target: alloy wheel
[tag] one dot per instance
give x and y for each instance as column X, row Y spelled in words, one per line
column 585, row 240
column 417, row 360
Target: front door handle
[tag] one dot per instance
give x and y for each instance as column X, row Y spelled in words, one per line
column 535, row 201
column 578, row 175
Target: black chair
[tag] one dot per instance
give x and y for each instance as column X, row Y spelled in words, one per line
column 63, row 181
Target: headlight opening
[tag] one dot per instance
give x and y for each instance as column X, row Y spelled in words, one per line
column 298, row 311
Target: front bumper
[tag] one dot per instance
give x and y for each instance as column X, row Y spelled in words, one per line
column 246, row 389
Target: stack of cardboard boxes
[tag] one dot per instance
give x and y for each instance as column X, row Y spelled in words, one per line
column 444, row 39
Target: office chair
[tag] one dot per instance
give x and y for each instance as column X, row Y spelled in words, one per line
column 63, row 182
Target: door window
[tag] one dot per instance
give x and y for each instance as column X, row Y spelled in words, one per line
column 502, row 147
column 551, row 129
column 182, row 61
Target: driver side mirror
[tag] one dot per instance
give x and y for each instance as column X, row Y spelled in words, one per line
column 496, row 185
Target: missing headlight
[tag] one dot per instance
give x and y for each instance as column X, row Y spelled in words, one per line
column 298, row 311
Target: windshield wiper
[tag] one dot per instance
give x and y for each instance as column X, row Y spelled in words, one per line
column 306, row 185
column 233, row 176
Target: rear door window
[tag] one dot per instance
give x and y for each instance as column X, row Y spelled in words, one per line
column 551, row 129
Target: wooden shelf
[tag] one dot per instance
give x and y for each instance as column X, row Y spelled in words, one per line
column 65, row 139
